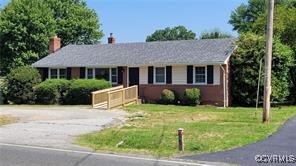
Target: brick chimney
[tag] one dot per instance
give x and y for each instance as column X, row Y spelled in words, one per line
column 54, row 44
column 111, row 39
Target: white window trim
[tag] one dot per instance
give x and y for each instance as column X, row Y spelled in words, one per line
column 206, row 75
column 110, row 75
column 154, row 75
column 58, row 73
column 93, row 73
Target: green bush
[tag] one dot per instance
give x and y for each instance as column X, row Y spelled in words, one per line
column 191, row 96
column 245, row 64
column 167, row 97
column 80, row 90
column 20, row 83
column 3, row 91
column 52, row 91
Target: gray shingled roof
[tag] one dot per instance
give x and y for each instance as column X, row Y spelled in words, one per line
column 210, row 51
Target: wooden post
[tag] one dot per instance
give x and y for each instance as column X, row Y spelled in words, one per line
column 181, row 139
column 93, row 100
column 109, row 100
column 122, row 97
column 268, row 61
column 137, row 95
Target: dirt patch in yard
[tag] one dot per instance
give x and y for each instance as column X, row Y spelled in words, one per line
column 7, row 119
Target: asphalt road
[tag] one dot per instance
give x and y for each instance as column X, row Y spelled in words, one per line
column 280, row 144
column 19, row 155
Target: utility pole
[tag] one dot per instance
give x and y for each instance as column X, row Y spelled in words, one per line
column 268, row 61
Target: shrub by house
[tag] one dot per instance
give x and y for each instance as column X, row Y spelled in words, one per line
column 52, row 91
column 21, row 82
column 191, row 97
column 80, row 90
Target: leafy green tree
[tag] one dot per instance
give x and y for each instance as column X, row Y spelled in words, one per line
column 284, row 25
column 25, row 28
column 175, row 33
column 245, row 69
column 285, row 30
column 75, row 22
column 214, row 34
column 20, row 83
column 243, row 17
column 27, row 25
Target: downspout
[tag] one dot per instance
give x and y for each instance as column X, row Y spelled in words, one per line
column 224, row 86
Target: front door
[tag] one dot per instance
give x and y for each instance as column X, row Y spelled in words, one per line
column 133, row 76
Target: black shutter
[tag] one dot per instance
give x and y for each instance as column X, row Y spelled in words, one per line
column 150, row 74
column 169, row 74
column 189, row 74
column 210, row 74
column 82, row 72
column 45, row 74
column 69, row 73
column 119, row 75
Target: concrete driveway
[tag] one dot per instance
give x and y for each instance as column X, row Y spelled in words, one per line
column 55, row 126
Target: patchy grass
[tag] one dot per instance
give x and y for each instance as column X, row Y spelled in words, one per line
column 152, row 129
column 6, row 120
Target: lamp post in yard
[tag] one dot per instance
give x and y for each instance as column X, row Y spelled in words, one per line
column 268, row 61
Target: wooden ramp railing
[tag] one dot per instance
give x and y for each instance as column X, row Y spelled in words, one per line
column 114, row 97
column 122, row 96
column 100, row 97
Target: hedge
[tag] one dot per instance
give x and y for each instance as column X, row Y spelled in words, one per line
column 52, row 91
column 21, row 82
column 80, row 90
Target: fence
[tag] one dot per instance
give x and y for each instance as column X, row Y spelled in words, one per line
column 114, row 97
column 100, row 98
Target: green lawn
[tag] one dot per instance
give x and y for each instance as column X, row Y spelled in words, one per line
column 152, row 129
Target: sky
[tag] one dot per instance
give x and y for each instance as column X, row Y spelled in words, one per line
column 134, row 20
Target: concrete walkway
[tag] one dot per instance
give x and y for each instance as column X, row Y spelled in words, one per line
column 281, row 143
column 55, row 126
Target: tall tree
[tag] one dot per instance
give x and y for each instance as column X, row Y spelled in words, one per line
column 252, row 17
column 243, row 17
column 245, row 69
column 27, row 25
column 75, row 22
column 214, row 34
column 25, row 28
column 175, row 33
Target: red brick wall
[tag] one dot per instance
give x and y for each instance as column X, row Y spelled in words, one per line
column 210, row 94
column 75, row 73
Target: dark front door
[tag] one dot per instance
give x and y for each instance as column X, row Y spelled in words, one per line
column 133, row 76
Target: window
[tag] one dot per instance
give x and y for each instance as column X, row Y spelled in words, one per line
column 57, row 73
column 114, row 75
column 53, row 73
column 89, row 73
column 102, row 73
column 159, row 74
column 63, row 73
column 200, row 75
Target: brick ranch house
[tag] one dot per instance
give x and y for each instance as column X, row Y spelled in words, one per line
column 153, row 66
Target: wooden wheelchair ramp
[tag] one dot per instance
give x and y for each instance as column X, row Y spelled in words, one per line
column 114, row 97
